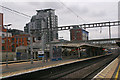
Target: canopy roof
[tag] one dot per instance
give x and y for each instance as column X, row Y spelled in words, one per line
column 78, row 45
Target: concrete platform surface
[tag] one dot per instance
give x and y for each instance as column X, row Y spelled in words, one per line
column 26, row 67
column 112, row 71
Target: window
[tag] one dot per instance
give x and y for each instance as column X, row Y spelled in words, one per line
column 3, row 41
column 28, row 38
column 3, row 48
column 12, row 39
column 3, row 35
column 13, row 50
column 39, row 38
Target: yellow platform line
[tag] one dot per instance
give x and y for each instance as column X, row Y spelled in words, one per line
column 101, row 73
column 101, row 76
column 116, row 77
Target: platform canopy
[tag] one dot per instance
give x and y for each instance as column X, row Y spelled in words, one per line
column 77, row 45
column 22, row 47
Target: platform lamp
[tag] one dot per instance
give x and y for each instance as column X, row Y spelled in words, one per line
column 7, row 43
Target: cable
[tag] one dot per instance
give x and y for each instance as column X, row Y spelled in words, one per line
column 15, row 11
column 72, row 11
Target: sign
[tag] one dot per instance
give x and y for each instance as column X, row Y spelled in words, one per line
column 40, row 52
column 57, row 53
column 40, row 56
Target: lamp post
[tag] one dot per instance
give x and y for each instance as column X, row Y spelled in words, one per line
column 31, row 47
column 7, row 43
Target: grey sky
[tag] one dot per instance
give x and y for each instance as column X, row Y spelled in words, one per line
column 94, row 11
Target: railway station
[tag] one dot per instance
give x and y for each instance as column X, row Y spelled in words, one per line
column 81, row 56
column 35, row 47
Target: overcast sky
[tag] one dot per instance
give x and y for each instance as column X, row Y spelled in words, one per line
column 86, row 11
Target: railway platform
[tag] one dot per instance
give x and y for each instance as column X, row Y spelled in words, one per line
column 111, row 71
column 26, row 67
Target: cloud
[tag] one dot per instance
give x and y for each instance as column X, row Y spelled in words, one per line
column 43, row 5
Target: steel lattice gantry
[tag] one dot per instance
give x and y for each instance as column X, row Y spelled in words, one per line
column 84, row 26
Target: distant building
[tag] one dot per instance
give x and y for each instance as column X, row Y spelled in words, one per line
column 15, row 38
column 6, row 43
column 15, row 32
column 43, row 19
column 14, row 42
column 4, row 35
column 78, row 34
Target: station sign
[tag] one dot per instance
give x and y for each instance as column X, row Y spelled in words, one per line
column 40, row 52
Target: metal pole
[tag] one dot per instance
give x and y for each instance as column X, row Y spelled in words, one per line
column 43, row 45
column 51, row 46
column 7, row 48
column 78, row 52
column 109, row 31
column 34, row 55
column 31, row 47
column 51, row 51
column 7, row 44
column 27, row 53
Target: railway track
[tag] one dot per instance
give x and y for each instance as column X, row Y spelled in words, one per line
column 86, row 70
column 77, row 70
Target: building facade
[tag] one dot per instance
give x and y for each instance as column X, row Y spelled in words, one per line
column 10, row 39
column 5, row 43
column 14, row 41
column 78, row 34
column 43, row 19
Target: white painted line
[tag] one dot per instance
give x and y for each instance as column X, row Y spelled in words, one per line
column 103, row 70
